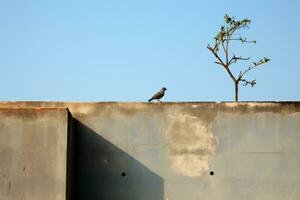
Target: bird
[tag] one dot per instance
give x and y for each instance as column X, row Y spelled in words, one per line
column 158, row 95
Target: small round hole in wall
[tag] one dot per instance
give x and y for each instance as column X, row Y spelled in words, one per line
column 123, row 174
column 211, row 173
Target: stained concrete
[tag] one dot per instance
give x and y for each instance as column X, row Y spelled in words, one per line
column 33, row 153
column 149, row 151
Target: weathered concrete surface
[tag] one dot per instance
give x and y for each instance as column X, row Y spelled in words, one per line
column 166, row 151
column 33, row 152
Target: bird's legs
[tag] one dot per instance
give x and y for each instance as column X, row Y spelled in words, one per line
column 159, row 101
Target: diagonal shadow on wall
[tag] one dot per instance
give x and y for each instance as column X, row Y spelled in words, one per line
column 105, row 172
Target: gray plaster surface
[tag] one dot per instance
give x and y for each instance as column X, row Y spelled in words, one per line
column 150, row 151
column 33, row 150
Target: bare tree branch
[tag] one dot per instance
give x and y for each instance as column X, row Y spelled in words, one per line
column 218, row 63
column 216, row 55
column 252, row 83
column 234, row 59
column 243, row 40
column 223, row 39
column 222, row 63
column 255, row 64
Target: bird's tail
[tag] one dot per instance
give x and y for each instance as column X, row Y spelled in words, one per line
column 150, row 100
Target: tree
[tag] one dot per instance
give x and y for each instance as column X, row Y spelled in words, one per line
column 221, row 46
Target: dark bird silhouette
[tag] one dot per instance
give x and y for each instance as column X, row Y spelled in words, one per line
column 158, row 95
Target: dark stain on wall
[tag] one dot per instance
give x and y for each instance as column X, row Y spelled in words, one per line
column 29, row 113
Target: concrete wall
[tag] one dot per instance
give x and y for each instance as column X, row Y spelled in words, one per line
column 33, row 152
column 137, row 151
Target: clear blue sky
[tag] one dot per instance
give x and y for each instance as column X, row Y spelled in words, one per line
column 117, row 50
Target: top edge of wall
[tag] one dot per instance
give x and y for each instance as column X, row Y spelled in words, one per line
column 143, row 102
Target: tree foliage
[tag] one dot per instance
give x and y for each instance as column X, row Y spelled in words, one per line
column 221, row 46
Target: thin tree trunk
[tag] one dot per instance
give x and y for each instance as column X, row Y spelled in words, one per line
column 236, row 91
